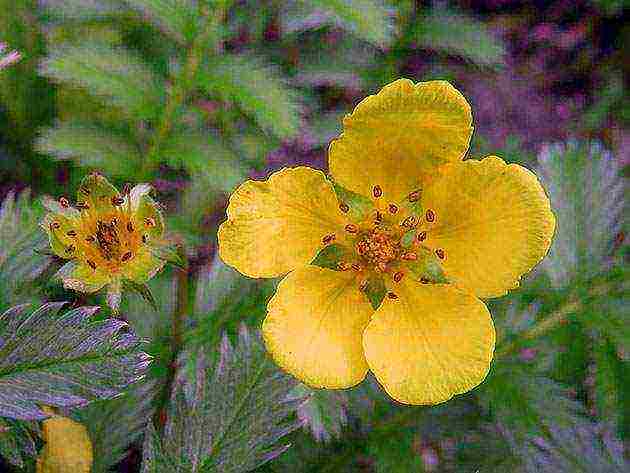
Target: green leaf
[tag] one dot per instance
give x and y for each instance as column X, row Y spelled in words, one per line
column 459, row 35
column 607, row 383
column 63, row 359
column 395, row 453
column 20, row 239
column 82, row 10
column 115, row 75
column 91, row 146
column 587, row 197
column 370, row 20
column 113, row 425
column 174, row 17
column 17, row 440
column 206, row 158
column 324, row 412
column 546, row 429
column 256, row 88
column 227, row 420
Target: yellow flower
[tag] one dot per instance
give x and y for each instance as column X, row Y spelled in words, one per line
column 407, row 223
column 108, row 236
column 68, row 446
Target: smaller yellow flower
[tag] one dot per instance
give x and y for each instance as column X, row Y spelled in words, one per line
column 108, row 237
column 386, row 261
column 68, row 447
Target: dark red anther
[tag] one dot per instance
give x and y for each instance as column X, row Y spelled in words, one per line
column 351, row 228
column 130, row 227
column 379, row 217
column 90, row 239
column 393, row 208
column 54, row 225
column 342, row 266
column 430, row 215
column 344, row 207
column 82, row 205
column 422, row 236
column 328, row 239
column 364, row 285
column 126, row 256
column 391, row 295
column 424, row 280
column 145, row 238
column 117, row 201
column 91, row 264
column 70, row 249
column 440, row 253
column 71, row 233
column 410, row 222
column 65, row 203
column 84, row 190
column 377, row 191
column 398, row 276
column 414, row 196
column 409, row 256
column 356, row 267
column 114, row 221
column 149, row 222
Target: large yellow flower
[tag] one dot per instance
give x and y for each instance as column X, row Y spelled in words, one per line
column 108, row 237
column 386, row 266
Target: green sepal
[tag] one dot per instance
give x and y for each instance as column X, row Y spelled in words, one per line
column 360, row 206
column 329, row 256
column 407, row 239
column 375, row 291
column 427, row 266
column 142, row 290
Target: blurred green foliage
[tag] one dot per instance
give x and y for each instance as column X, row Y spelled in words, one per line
column 197, row 96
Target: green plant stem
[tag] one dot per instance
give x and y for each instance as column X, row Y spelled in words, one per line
column 181, row 85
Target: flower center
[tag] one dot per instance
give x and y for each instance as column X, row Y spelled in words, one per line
column 378, row 248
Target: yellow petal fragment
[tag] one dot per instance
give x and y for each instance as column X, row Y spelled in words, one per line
column 429, row 344
column 314, row 325
column 494, row 224
column 84, row 278
column 397, row 138
column 146, row 211
column 68, row 447
column 277, row 225
column 57, row 227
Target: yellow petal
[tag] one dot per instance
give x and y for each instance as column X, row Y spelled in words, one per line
column 146, row 211
column 277, row 225
column 57, row 227
column 397, row 138
column 493, row 222
column 314, row 325
column 68, row 447
column 97, row 192
column 429, row 344
column 81, row 277
column 142, row 266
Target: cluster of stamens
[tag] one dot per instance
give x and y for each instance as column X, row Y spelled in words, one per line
column 110, row 236
column 378, row 243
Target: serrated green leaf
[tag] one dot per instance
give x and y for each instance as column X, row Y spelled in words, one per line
column 143, row 290
column 20, row 238
column 174, row 17
column 370, row 20
column 256, row 88
column 63, row 359
column 115, row 75
column 587, row 197
column 206, row 158
column 460, row 35
column 17, row 440
column 323, row 412
column 227, row 419
column 91, row 146
column 113, row 425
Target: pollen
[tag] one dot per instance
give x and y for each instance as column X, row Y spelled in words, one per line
column 378, row 249
column 126, row 256
column 352, row 228
column 83, row 205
